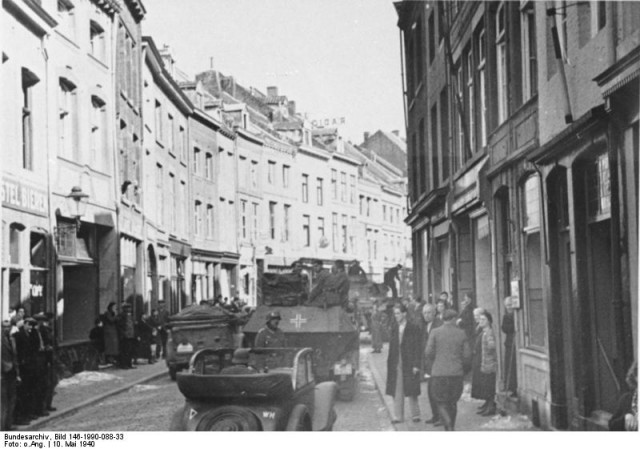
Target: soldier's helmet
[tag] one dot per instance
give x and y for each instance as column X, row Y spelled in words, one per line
column 273, row 316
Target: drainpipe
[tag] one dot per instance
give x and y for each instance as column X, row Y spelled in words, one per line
column 564, row 99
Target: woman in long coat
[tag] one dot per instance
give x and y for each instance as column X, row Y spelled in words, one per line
column 485, row 366
column 403, row 365
column 111, row 348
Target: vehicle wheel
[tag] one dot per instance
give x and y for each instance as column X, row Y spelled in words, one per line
column 173, row 371
column 299, row 420
column 229, row 418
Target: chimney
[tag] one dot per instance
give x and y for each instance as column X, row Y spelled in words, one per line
column 396, row 132
column 167, row 58
column 366, row 136
column 292, row 108
column 272, row 91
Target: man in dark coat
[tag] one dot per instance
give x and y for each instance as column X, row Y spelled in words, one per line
column 127, row 337
column 390, row 279
column 30, row 391
column 356, row 270
column 403, row 365
column 111, row 340
column 466, row 322
column 429, row 317
column 9, row 377
column 163, row 321
column 50, row 379
column 448, row 350
column 509, row 329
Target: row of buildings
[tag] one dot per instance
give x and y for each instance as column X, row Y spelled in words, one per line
column 124, row 180
column 522, row 131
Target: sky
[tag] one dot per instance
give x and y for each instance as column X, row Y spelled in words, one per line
column 334, row 58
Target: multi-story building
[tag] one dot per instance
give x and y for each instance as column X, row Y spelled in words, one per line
column 169, row 173
column 509, row 201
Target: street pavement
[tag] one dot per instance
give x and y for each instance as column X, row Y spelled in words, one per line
column 467, row 420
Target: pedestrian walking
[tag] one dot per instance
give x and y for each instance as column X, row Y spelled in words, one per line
column 377, row 321
column 430, row 323
column 30, row 390
column 404, row 365
column 390, row 278
column 485, row 366
column 509, row 329
column 156, row 332
column 111, row 339
column 50, row 379
column 9, row 378
column 448, row 349
column 144, row 338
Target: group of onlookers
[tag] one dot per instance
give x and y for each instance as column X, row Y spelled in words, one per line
column 28, row 368
column 121, row 340
column 436, row 343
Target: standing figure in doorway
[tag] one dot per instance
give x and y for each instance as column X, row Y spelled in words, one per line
column 484, row 378
column 509, row 329
column 111, row 347
column 127, row 335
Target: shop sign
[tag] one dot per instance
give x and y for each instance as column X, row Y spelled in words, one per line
column 16, row 195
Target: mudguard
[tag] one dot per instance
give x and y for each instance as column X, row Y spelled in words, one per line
column 299, row 419
column 324, row 399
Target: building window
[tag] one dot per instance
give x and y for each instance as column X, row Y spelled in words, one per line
column 254, row 225
column 384, row 213
column 254, row 174
column 197, row 211
column 435, row 169
column 158, row 121
column 319, row 192
column 66, row 15
column 243, row 211
column 352, row 192
column 528, row 51
column 305, row 188
column 271, row 172
column 445, row 132
column 343, row 186
column 501, row 62
column 536, row 320
column 184, row 225
column 334, row 184
column 196, row 160
column 482, row 94
column 599, row 189
column 67, row 118
column 418, row 54
column 471, row 112
column 598, row 16
column 306, row 230
column 29, row 80
column 160, row 190
column 334, row 231
column 208, row 166
column 97, row 40
column 172, row 202
column 368, row 206
column 272, row 219
column 98, row 130
column 210, row 221
column 321, row 226
column 287, row 211
column 352, row 236
column 172, row 133
column 345, row 234
column 285, row 176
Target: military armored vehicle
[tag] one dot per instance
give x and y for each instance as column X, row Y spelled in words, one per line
column 329, row 331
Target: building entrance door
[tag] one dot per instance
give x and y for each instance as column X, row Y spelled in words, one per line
column 80, row 295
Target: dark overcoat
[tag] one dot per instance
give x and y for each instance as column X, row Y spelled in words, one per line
column 411, row 349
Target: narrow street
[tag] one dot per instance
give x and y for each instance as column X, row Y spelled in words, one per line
column 149, row 407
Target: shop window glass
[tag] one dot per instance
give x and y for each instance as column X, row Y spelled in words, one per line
column 38, row 250
column 14, row 245
column 599, row 188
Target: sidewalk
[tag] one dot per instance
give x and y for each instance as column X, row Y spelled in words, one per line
column 467, row 419
column 88, row 387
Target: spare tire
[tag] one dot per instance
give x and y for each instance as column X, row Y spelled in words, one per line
column 229, row 419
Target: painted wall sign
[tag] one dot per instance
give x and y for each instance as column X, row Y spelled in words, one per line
column 16, row 195
column 334, row 121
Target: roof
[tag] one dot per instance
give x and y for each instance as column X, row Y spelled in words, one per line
column 396, row 140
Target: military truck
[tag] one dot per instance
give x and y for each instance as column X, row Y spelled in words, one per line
column 200, row 327
column 329, row 331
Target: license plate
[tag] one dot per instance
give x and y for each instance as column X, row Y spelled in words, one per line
column 342, row 369
column 184, row 348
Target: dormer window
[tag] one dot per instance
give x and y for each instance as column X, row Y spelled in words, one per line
column 97, row 40
column 66, row 13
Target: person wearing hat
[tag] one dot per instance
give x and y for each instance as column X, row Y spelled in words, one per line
column 271, row 336
column 448, row 351
column 356, row 270
column 50, row 378
column 390, row 279
column 29, row 392
column 111, row 340
column 10, row 376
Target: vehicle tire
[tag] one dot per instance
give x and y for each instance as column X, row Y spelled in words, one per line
column 173, row 371
column 299, row 420
column 229, row 418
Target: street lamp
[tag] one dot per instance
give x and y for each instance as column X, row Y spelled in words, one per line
column 77, row 204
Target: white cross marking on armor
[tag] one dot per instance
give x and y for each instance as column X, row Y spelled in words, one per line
column 298, row 321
